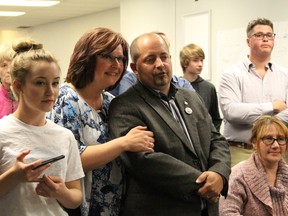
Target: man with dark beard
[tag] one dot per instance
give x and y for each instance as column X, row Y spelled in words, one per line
column 191, row 163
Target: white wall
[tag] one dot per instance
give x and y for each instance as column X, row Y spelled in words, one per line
column 134, row 17
column 230, row 17
column 138, row 17
column 7, row 36
column 60, row 37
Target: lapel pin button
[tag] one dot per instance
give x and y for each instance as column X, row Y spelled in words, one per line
column 188, row 110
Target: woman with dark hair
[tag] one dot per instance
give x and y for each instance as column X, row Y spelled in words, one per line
column 97, row 64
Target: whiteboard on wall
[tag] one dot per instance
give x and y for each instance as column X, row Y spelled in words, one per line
column 197, row 31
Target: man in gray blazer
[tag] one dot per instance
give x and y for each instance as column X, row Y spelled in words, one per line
column 191, row 164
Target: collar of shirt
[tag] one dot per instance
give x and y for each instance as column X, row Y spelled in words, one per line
column 249, row 65
column 171, row 95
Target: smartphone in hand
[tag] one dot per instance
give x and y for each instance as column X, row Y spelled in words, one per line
column 52, row 160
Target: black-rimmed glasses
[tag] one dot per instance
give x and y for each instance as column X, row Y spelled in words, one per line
column 269, row 140
column 260, row 36
column 112, row 59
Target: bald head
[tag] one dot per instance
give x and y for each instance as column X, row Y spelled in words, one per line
column 151, row 61
column 144, row 39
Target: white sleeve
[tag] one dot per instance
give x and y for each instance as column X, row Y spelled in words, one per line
column 232, row 107
column 74, row 165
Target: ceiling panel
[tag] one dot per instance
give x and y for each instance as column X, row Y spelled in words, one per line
column 65, row 10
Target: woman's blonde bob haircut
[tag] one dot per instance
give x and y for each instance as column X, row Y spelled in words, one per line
column 261, row 126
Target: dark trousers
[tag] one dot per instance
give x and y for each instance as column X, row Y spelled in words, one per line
column 204, row 212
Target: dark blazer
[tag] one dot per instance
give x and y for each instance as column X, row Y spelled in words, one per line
column 164, row 182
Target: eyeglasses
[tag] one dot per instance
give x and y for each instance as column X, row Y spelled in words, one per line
column 268, row 140
column 112, row 59
column 260, row 36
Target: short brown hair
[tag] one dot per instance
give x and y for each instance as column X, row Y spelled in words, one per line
column 261, row 125
column 83, row 60
column 259, row 21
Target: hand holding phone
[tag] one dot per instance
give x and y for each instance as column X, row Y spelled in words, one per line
column 52, row 160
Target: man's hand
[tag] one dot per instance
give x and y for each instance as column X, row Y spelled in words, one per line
column 212, row 186
column 279, row 106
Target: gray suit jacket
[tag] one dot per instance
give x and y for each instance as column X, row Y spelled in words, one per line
column 164, row 182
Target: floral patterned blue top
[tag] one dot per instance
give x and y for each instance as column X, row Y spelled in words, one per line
column 103, row 187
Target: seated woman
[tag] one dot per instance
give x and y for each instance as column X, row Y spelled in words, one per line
column 259, row 185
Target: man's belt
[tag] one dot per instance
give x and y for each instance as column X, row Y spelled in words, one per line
column 240, row 145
